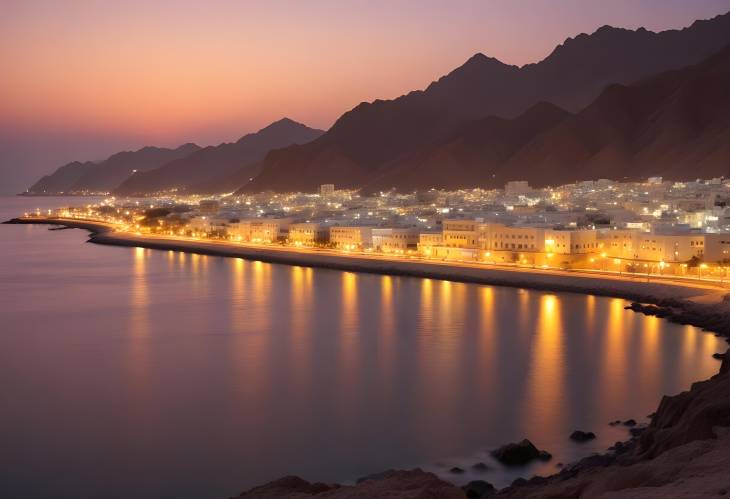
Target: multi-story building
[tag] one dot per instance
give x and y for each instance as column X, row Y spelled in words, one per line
column 351, row 238
column 571, row 241
column 268, row 230
column 461, row 233
column 308, row 234
column 209, row 206
column 669, row 247
column 499, row 237
column 394, row 239
column 427, row 241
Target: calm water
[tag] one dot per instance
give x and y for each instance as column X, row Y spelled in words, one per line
column 138, row 373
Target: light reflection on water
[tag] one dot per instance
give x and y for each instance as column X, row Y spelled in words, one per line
column 165, row 374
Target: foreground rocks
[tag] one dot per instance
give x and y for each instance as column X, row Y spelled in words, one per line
column 517, row 454
column 582, row 436
column 413, row 484
column 684, row 452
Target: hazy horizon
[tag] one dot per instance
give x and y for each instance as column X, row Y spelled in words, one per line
column 86, row 80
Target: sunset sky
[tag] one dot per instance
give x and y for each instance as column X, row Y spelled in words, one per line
column 83, row 79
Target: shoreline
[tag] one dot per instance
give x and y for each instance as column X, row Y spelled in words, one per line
column 682, row 431
column 656, row 290
column 696, row 303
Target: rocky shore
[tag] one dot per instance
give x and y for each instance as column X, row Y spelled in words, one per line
column 684, row 452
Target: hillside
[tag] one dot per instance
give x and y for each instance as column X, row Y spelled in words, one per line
column 675, row 124
column 371, row 136
column 104, row 176
column 219, row 168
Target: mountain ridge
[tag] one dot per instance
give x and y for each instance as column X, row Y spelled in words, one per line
column 372, row 135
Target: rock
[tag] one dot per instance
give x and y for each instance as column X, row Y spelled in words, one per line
column 516, row 454
column 518, row 482
column 456, row 470
column 544, row 456
column 615, row 423
column 559, row 465
column 718, row 356
column 629, row 422
column 637, row 431
column 412, row 484
column 480, row 467
column 476, row 489
column 582, row 436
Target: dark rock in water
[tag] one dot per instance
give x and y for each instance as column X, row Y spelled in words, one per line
column 517, row 482
column 515, row 454
column 544, row 456
column 476, row 489
column 615, row 423
column 559, row 465
column 718, row 356
column 582, row 436
column 480, row 467
column 629, row 422
column 637, row 431
column 456, row 470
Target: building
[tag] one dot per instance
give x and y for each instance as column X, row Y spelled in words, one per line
column 427, row 241
column 395, row 240
column 571, row 241
column 326, row 190
column 461, row 233
column 517, row 188
column 351, row 238
column 499, row 237
column 675, row 248
column 209, row 206
column 308, row 234
column 268, row 230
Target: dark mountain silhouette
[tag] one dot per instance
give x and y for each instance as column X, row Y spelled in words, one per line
column 373, row 135
column 104, row 176
column 61, row 180
column 471, row 156
column 219, row 168
column 675, row 124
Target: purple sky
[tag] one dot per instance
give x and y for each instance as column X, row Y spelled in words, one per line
column 84, row 79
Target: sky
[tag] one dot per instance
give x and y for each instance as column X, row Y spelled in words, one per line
column 80, row 80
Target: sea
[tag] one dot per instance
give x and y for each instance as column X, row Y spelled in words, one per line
column 128, row 372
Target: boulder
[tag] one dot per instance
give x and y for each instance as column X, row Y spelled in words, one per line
column 479, row 467
column 456, row 470
column 477, row 489
column 516, row 454
column 582, row 436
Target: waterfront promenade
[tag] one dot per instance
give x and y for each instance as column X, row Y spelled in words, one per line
column 639, row 287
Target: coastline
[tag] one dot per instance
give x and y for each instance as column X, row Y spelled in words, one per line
column 639, row 289
column 679, row 446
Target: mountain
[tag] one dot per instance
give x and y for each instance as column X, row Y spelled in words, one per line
column 219, row 168
column 471, row 156
column 675, row 124
column 373, row 135
column 104, row 176
column 61, row 180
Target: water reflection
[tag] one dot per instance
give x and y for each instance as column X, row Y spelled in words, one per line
column 545, row 400
column 245, row 371
column 139, row 317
